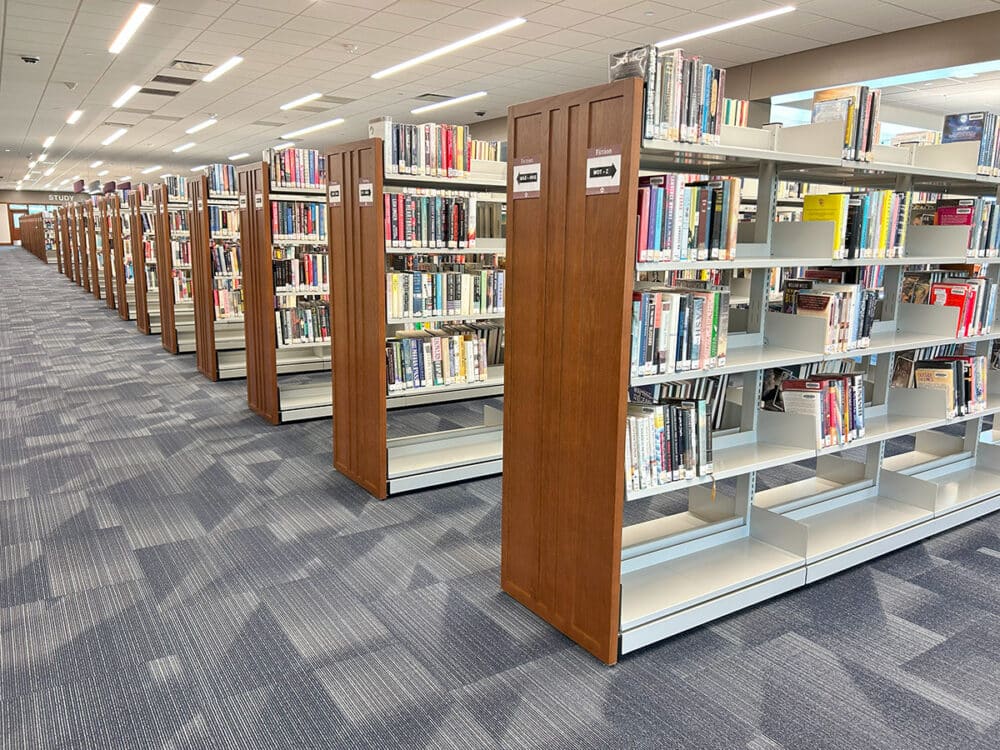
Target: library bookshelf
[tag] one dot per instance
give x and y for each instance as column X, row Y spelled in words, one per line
column 173, row 271
column 119, row 237
column 95, row 251
column 142, row 216
column 276, row 398
column 218, row 279
column 65, row 252
column 565, row 552
column 104, row 237
column 33, row 236
column 357, row 183
column 58, row 222
column 82, row 273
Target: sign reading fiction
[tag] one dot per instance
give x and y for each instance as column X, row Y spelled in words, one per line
column 604, row 170
column 366, row 193
column 527, row 178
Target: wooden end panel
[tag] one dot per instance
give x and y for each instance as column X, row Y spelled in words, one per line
column 118, row 240
column 110, row 293
column 93, row 217
column 258, row 288
column 570, row 271
column 85, row 247
column 357, row 282
column 202, row 279
column 74, row 237
column 139, row 263
column 165, row 270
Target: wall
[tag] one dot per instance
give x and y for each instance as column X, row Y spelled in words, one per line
column 489, row 130
column 4, row 225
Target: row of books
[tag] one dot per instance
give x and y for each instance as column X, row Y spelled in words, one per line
column 431, row 149
column 223, row 220
column 871, row 224
column 683, row 96
column 973, row 296
column 180, row 252
column 425, row 294
column 836, row 403
column 222, row 180
column 711, row 389
column 981, row 127
column 430, row 218
column 302, row 271
column 680, row 220
column 736, row 112
column 296, row 168
column 489, row 150
column 228, row 298
column 979, row 214
column 183, row 289
column 962, row 378
column 847, row 309
column 176, row 188
column 491, row 219
column 177, row 221
column 667, row 442
column 295, row 220
column 152, row 282
column 307, row 321
column 679, row 329
column 430, row 357
column 149, row 251
column 148, row 222
column 227, row 259
column 858, row 108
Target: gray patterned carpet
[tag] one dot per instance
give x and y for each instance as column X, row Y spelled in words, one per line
column 176, row 574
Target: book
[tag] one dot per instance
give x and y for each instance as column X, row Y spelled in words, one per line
column 296, row 169
column 943, row 376
column 675, row 329
column 832, row 208
column 679, row 220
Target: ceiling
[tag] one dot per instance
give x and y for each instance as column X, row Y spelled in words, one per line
column 296, row 47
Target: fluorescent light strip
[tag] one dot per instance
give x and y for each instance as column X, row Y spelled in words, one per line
column 283, row 146
column 42, row 158
column 96, row 164
column 74, row 117
column 77, row 177
column 126, row 95
column 48, row 172
column 228, row 65
column 48, row 141
column 185, row 147
column 31, row 164
column 435, row 53
column 125, row 179
column 114, row 136
column 235, row 157
column 201, row 126
column 726, row 26
column 199, row 167
column 165, row 176
column 314, row 128
column 131, row 26
column 102, row 172
column 448, row 102
column 300, row 101
column 152, row 169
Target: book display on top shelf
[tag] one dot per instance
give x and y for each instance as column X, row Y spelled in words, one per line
column 831, row 343
column 173, row 268
column 286, row 285
column 217, row 268
column 142, row 218
column 417, row 223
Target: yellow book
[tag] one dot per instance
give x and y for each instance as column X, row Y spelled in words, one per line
column 831, row 207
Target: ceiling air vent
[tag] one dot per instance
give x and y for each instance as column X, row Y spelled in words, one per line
column 174, row 80
column 190, row 66
column 431, row 98
column 165, row 118
column 158, row 92
column 268, row 124
column 323, row 104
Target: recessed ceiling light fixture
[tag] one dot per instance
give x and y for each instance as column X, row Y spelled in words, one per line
column 727, row 25
column 126, row 178
column 31, row 164
column 301, row 100
column 131, row 26
column 435, row 53
column 201, row 126
column 102, row 172
column 48, row 141
column 185, row 147
column 96, row 164
column 74, row 117
column 313, row 128
column 48, row 172
column 236, row 157
column 283, row 146
column 152, row 169
column 126, row 95
column 114, row 136
column 42, row 158
column 448, row 102
column 228, row 65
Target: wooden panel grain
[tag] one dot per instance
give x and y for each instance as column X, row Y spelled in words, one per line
column 96, row 265
column 85, row 248
column 164, row 270
column 202, row 279
column 107, row 253
column 357, row 300
column 569, row 273
column 118, row 254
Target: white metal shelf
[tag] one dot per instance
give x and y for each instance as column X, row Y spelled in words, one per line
column 445, row 319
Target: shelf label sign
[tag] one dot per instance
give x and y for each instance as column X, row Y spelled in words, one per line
column 527, row 178
column 334, row 194
column 604, row 170
column 366, row 193
column 258, row 200
column 243, row 201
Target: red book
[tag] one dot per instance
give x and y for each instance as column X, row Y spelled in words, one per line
column 962, row 296
column 643, row 236
column 386, row 217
